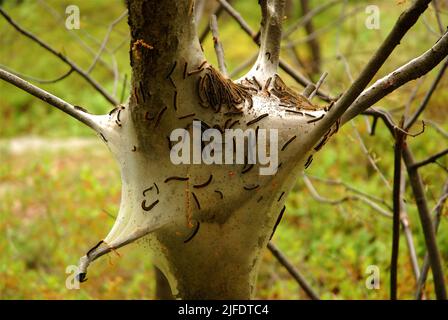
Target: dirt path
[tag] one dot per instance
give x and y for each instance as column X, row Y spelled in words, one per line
column 18, row 146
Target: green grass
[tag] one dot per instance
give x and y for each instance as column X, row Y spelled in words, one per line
column 53, row 204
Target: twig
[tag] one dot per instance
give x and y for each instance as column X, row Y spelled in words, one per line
column 435, row 4
column 369, row 157
column 293, row 271
column 66, row 60
column 236, row 15
column 206, row 31
column 404, row 219
column 353, row 189
column 437, row 128
column 427, row 98
column 431, row 159
column 51, row 99
column 408, row 72
column 319, row 198
column 318, row 85
column 31, row 78
column 404, row 23
column 309, row 15
column 218, row 46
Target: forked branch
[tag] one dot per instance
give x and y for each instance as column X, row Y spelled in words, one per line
column 394, row 80
column 402, row 26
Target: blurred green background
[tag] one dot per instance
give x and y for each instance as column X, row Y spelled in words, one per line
column 59, row 185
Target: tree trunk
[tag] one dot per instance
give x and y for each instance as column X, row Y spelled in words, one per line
column 205, row 225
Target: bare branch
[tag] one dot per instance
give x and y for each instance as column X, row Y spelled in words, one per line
column 293, row 271
column 435, row 4
column 353, row 189
column 437, row 128
column 319, row 198
column 66, row 60
column 318, row 85
column 410, row 71
column 436, row 221
column 404, row 23
column 431, row 159
column 399, row 141
column 427, row 225
column 308, row 16
column 206, row 31
column 76, row 113
column 31, row 78
column 106, row 39
column 404, row 219
column 238, row 18
column 370, row 158
column 427, row 98
column 218, row 45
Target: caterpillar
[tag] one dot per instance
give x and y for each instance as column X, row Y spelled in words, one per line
column 194, row 233
column 278, row 221
column 288, row 142
column 257, row 119
column 197, row 186
column 150, row 207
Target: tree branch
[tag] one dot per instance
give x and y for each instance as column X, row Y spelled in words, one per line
column 69, row 109
column 218, row 45
column 422, row 206
column 66, row 60
column 427, row 225
column 410, row 71
column 427, row 98
column 361, row 198
column 292, row 271
column 431, row 159
column 404, row 23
